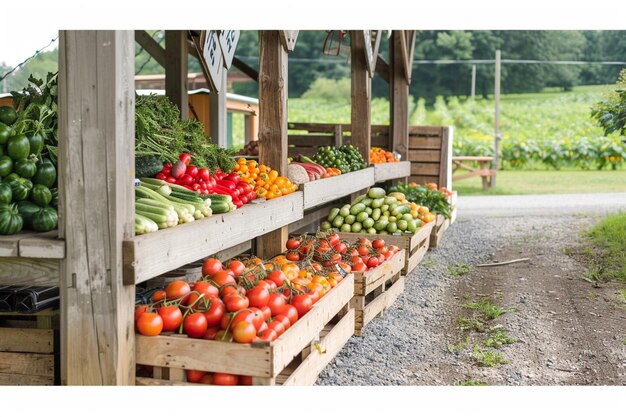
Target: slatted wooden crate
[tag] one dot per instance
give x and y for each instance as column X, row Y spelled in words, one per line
column 430, row 153
column 415, row 244
column 295, row 358
column 376, row 290
column 441, row 225
column 29, row 348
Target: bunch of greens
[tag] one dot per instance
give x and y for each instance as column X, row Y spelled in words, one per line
column 435, row 200
column 36, row 106
column 160, row 132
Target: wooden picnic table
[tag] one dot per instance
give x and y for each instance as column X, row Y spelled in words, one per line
column 483, row 169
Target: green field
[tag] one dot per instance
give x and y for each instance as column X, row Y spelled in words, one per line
column 547, row 182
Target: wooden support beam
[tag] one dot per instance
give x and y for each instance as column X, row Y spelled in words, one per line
column 151, row 46
column 176, row 70
column 96, row 155
column 382, row 68
column 246, row 69
column 272, row 121
column 361, row 93
column 399, row 96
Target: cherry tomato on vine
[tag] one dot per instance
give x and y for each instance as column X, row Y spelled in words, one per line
column 276, row 302
column 302, row 303
column 222, row 278
column 150, row 324
column 363, row 250
column 158, row 296
column 277, row 277
column 359, row 267
column 372, row 262
column 277, row 326
column 283, row 319
column 224, row 379
column 211, row 266
column 245, row 380
column 237, row 267
column 244, row 332
column 195, row 325
column 215, row 312
column 290, row 312
column 293, row 244
column 210, row 333
column 258, row 296
column 235, row 302
column 378, row 243
column 268, row 334
column 234, row 318
column 172, row 317
column 177, row 289
column 293, row 256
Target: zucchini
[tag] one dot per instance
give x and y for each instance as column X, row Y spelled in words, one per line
column 218, row 198
column 333, row 213
column 220, row 207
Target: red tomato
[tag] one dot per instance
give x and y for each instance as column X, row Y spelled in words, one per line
column 139, row 310
column 276, row 302
column 290, row 312
column 237, row 267
column 341, row 248
column 161, row 176
column 270, row 285
column 293, row 244
column 302, row 303
column 262, row 327
column 150, row 324
column 215, row 312
column 207, row 379
column 364, row 241
column 204, row 174
column 206, row 288
column 177, row 289
column 234, row 318
column 378, row 243
column 185, row 158
column 381, row 259
column 172, row 317
column 195, row 325
column 304, row 249
column 383, row 250
column 268, row 335
column 372, row 262
column 224, row 379
column 293, row 256
column 277, row 277
column 171, row 180
column 284, row 320
column 210, row 333
column 257, row 317
column 211, row 266
column 333, row 239
column 258, row 296
column 194, row 376
column 244, row 332
column 356, row 259
column 186, row 179
column 363, row 250
column 394, row 249
column 313, row 295
column 267, row 312
column 235, row 302
column 359, row 267
column 277, row 326
column 222, row 278
column 158, row 296
column 192, row 171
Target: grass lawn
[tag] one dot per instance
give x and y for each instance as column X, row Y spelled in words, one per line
column 547, row 182
column 609, row 236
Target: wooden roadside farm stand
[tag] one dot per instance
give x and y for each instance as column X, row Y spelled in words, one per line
column 95, row 258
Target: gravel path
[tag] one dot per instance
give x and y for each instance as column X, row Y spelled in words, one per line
column 408, row 345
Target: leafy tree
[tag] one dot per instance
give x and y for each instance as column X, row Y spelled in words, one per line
column 610, row 113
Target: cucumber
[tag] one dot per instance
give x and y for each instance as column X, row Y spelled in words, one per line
column 345, row 228
column 325, row 225
column 333, row 213
column 368, row 223
column 402, row 225
column 338, row 221
column 356, row 227
column 369, row 211
column 350, row 219
column 376, row 214
column 223, row 198
column 357, row 208
column 362, row 216
column 219, row 207
column 377, row 203
column 376, row 192
column 345, row 210
column 381, row 225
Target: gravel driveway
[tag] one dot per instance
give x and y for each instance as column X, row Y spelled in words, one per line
column 557, row 341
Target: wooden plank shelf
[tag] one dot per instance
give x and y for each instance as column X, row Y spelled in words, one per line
column 268, row 363
column 33, row 245
column 376, row 290
column 147, row 256
column 392, row 171
column 328, row 189
column 415, row 244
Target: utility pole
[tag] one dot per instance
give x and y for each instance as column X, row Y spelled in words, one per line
column 473, row 81
column 496, row 159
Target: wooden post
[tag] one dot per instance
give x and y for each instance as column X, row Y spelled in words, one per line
column 496, row 151
column 361, row 92
column 217, row 111
column 272, row 122
column 176, row 70
column 96, row 157
column 473, row 90
column 399, row 97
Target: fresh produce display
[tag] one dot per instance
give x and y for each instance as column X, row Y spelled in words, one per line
column 266, row 182
column 159, row 132
column 250, row 149
column 326, row 251
column 437, row 199
column 27, row 176
column 346, row 158
column 378, row 213
column 242, row 301
column 380, row 156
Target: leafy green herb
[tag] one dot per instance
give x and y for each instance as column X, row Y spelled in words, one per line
column 435, row 200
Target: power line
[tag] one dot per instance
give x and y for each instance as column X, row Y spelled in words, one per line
column 28, row 59
column 512, row 61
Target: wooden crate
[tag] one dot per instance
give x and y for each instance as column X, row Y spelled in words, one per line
column 391, row 171
column 28, row 348
column 295, row 358
column 416, row 244
column 376, row 290
column 441, row 225
column 430, row 153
